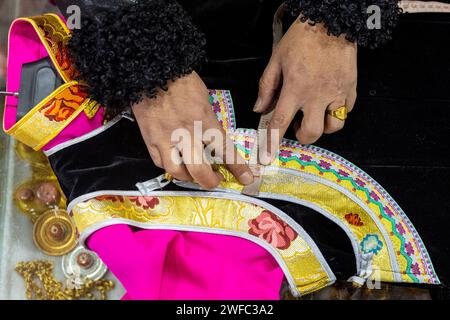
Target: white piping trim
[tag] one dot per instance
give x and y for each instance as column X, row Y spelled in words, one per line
column 85, row 137
column 95, row 194
column 216, row 195
column 394, row 265
column 263, row 244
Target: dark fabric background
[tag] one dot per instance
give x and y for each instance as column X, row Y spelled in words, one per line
column 398, row 132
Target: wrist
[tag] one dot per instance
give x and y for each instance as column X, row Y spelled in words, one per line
column 130, row 53
column 349, row 18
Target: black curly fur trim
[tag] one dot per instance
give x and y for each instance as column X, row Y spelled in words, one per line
column 349, row 17
column 131, row 52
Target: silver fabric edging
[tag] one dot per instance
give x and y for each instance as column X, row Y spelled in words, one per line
column 85, row 137
column 214, row 195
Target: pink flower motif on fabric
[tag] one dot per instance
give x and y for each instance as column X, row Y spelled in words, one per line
column 343, row 173
column 305, row 158
column 409, row 249
column 216, row 107
column 145, row 202
column 272, row 229
column 400, row 229
column 286, row 153
column 415, row 269
column 325, row 165
column 360, row 183
column 374, row 196
column 388, row 211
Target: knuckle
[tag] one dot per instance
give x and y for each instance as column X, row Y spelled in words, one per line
column 280, row 120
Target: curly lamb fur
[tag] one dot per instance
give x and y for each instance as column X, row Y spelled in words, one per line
column 349, row 17
column 132, row 51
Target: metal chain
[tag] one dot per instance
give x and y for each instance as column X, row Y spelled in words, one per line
column 48, row 288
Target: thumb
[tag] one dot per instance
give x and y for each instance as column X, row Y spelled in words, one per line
column 268, row 86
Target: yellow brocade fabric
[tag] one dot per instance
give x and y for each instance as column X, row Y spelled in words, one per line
column 303, row 264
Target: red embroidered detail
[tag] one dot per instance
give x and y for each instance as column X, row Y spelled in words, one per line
column 354, row 219
column 272, row 229
column 145, row 202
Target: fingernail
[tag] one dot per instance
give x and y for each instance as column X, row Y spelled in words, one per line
column 246, row 178
column 257, row 105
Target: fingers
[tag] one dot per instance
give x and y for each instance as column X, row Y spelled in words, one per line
column 235, row 163
column 283, row 115
column 312, row 126
column 268, row 86
column 202, row 172
column 225, row 149
column 173, row 164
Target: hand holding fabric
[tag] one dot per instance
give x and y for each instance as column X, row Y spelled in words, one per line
column 309, row 71
column 185, row 102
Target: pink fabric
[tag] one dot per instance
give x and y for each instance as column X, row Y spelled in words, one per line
column 25, row 46
column 77, row 128
column 173, row 265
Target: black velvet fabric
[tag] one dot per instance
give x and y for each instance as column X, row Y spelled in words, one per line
column 397, row 133
column 113, row 160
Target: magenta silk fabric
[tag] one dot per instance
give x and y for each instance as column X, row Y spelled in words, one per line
column 174, row 265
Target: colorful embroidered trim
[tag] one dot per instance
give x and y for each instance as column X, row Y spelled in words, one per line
column 412, row 257
column 220, row 100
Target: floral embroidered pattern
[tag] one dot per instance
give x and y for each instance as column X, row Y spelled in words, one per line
column 371, row 244
column 64, row 104
column 271, row 228
column 409, row 249
column 354, row 219
column 56, row 37
column 110, row 198
column 145, row 202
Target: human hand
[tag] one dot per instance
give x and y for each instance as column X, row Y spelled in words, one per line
column 179, row 111
column 312, row 72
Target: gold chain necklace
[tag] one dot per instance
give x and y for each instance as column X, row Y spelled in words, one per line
column 48, row 288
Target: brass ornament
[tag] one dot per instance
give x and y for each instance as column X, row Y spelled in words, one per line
column 35, row 197
column 41, row 284
column 54, row 233
column 81, row 265
column 27, row 154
